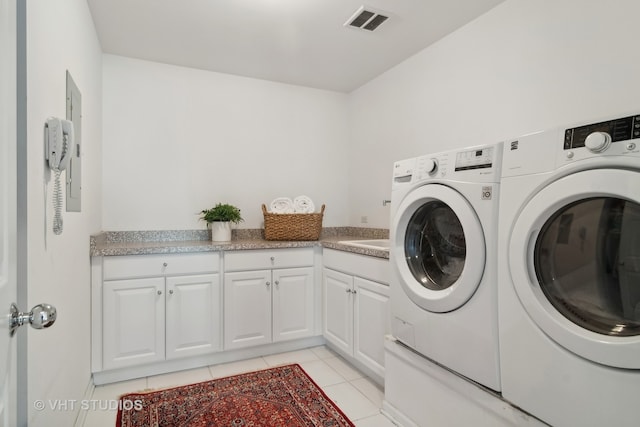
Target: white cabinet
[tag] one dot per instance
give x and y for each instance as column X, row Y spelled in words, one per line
column 356, row 306
column 371, row 322
column 158, row 307
column 193, row 315
column 338, row 309
column 133, row 322
column 268, row 296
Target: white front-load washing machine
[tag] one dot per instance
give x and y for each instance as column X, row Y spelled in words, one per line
column 569, row 274
column 443, row 237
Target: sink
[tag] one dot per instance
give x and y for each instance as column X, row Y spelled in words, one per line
column 379, row 244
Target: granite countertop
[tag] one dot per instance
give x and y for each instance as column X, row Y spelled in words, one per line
column 184, row 241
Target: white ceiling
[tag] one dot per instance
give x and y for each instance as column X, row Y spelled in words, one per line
column 300, row 42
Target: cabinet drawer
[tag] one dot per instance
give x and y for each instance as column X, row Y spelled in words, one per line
column 121, row 267
column 266, row 259
column 372, row 268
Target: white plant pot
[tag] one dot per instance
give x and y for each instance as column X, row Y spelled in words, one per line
column 220, row 231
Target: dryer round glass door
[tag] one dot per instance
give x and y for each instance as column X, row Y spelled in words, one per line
column 439, row 244
column 575, row 263
column 587, row 262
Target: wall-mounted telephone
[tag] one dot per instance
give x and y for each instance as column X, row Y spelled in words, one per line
column 58, row 142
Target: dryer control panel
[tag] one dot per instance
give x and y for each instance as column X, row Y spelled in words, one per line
column 623, row 129
column 549, row 150
column 616, row 137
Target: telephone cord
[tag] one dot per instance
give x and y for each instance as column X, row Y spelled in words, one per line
column 57, row 203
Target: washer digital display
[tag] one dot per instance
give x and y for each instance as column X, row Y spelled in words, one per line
column 474, row 159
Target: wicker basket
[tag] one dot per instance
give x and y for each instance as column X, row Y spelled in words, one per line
column 300, row 226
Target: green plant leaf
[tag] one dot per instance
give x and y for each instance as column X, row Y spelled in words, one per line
column 222, row 212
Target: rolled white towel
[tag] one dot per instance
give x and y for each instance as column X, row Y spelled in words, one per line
column 303, row 204
column 281, row 205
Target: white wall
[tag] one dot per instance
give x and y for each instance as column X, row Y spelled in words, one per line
column 60, row 37
column 179, row 140
column 194, row 138
column 525, row 66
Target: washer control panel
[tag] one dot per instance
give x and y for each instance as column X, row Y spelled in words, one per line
column 475, row 164
column 480, row 158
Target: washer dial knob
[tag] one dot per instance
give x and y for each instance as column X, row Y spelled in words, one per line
column 431, row 166
column 597, row 142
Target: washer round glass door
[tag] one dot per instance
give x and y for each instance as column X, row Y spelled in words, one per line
column 439, row 248
column 575, row 264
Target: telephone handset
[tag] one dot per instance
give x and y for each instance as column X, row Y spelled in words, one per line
column 58, row 142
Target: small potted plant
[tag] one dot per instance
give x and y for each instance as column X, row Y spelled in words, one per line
column 219, row 219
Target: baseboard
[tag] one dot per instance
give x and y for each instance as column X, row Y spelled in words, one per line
column 139, row 371
column 375, row 377
column 82, row 414
column 395, row 416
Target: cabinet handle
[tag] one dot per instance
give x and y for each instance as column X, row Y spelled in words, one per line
column 273, row 258
column 164, row 264
column 277, row 282
column 171, row 292
column 268, row 284
column 348, row 291
column 354, row 292
column 159, row 292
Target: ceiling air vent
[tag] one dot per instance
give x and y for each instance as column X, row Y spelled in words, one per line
column 366, row 18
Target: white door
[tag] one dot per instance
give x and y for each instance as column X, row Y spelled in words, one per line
column 247, row 308
column 574, row 258
column 193, row 315
column 338, row 309
column 439, row 248
column 133, row 322
column 8, row 408
column 292, row 303
column 371, row 322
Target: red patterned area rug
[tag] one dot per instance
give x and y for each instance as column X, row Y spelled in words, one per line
column 281, row 396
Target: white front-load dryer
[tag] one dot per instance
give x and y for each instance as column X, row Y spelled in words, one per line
column 569, row 274
column 444, row 222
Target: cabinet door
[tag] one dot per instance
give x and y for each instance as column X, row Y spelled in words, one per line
column 133, row 322
column 292, row 303
column 371, row 322
column 193, row 321
column 338, row 309
column 247, row 308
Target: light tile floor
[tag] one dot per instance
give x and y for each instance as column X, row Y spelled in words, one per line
column 357, row 395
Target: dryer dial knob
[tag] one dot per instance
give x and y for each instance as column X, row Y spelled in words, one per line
column 597, row 142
